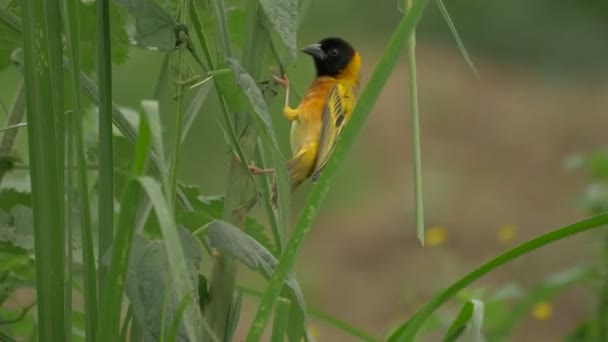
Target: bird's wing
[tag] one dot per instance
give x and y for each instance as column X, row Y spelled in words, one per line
column 338, row 108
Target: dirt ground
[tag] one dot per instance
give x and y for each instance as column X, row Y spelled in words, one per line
column 493, row 153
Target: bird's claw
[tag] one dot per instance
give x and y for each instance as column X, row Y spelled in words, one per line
column 257, row 171
column 282, row 81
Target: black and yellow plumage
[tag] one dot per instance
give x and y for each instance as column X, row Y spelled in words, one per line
column 325, row 109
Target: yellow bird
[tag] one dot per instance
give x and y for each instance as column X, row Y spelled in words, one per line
column 324, row 110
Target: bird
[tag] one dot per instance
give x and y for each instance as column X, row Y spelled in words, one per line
column 325, row 109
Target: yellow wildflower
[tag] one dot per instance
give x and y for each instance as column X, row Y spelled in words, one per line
column 313, row 332
column 506, row 233
column 435, row 236
column 542, row 311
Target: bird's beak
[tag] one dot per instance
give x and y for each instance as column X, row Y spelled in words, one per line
column 314, row 50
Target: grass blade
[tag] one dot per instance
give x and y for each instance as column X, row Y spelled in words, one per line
column 43, row 85
column 416, row 155
column 463, row 50
column 72, row 28
column 281, row 317
column 362, row 109
column 409, row 330
column 106, row 160
column 111, row 305
column 175, row 254
column 329, row 320
column 471, row 317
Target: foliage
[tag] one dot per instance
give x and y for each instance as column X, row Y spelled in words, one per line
column 87, row 152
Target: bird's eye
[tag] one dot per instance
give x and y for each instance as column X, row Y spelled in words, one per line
column 333, row 52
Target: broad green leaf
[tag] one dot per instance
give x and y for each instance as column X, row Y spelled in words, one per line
column 283, row 16
column 184, row 284
column 88, row 31
column 209, row 208
column 11, row 197
column 232, row 241
column 264, row 121
column 155, row 28
column 235, row 17
column 17, row 229
column 148, row 279
column 227, row 85
column 10, row 39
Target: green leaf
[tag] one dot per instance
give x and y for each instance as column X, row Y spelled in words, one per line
column 118, row 38
column 209, row 208
column 184, row 284
column 264, row 121
column 17, row 227
column 11, row 197
column 154, row 26
column 148, row 279
column 236, row 26
column 470, row 317
column 283, row 16
column 10, row 39
column 232, row 241
column 227, row 85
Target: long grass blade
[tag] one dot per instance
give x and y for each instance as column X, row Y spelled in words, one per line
column 42, row 46
column 106, row 156
column 463, row 50
column 409, row 330
column 72, row 28
column 329, row 320
column 363, row 108
column 416, row 155
column 108, row 325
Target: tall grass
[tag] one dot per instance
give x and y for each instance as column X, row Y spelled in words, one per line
column 143, row 281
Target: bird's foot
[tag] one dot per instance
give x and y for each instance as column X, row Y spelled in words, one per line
column 282, row 81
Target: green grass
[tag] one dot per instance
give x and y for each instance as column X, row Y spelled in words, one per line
column 168, row 230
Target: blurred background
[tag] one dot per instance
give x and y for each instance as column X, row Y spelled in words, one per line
column 493, row 152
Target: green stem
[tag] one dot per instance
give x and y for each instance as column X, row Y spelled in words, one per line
column 417, row 160
column 72, row 26
column 44, row 90
column 106, row 160
column 240, row 182
column 180, row 74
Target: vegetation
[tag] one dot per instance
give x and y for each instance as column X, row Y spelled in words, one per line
column 118, row 248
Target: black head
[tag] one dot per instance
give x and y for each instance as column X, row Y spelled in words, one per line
column 331, row 56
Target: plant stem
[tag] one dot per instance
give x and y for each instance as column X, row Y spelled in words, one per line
column 106, row 161
column 180, row 74
column 223, row 276
column 70, row 11
column 413, row 83
column 42, row 47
